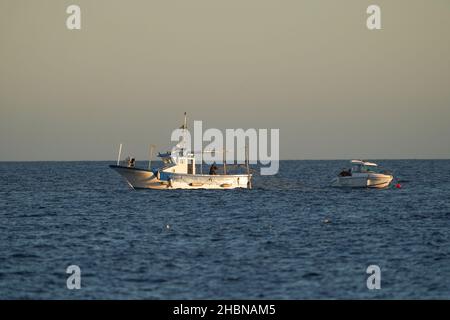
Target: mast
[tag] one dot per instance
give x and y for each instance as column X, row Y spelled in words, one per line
column 224, row 162
column 184, row 133
column 247, row 156
column 201, row 160
column 152, row 146
column 118, row 156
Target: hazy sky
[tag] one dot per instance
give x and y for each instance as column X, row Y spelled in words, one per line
column 310, row 68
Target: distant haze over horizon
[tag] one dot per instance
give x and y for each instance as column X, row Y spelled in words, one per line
column 309, row 68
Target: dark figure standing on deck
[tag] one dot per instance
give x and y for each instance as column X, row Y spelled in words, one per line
column 212, row 169
column 345, row 173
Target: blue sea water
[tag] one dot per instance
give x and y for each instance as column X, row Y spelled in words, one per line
column 270, row 242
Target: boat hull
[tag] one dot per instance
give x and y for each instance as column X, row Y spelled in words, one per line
column 189, row 181
column 138, row 178
column 377, row 181
column 146, row 179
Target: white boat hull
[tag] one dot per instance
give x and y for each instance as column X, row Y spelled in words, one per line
column 375, row 180
column 137, row 178
column 146, row 179
column 198, row 181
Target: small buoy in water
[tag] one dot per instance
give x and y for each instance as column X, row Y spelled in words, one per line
column 167, row 226
column 398, row 185
column 326, row 221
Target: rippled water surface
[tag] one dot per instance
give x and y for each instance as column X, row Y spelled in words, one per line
column 268, row 242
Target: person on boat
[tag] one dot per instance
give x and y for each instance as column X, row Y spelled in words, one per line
column 345, row 173
column 131, row 162
column 213, row 169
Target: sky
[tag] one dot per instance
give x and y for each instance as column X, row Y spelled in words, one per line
column 311, row 69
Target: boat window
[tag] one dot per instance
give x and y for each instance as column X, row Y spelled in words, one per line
column 369, row 169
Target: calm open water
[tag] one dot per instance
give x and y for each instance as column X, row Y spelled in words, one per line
column 269, row 242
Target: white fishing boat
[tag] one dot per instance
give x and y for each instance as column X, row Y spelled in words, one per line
column 363, row 174
column 179, row 172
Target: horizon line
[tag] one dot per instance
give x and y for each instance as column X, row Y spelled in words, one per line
column 319, row 159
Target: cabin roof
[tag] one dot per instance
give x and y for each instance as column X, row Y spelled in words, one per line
column 364, row 163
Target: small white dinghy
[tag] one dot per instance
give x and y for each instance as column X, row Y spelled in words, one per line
column 363, row 174
column 179, row 172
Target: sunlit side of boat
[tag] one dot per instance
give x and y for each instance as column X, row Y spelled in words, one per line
column 179, row 172
column 363, row 175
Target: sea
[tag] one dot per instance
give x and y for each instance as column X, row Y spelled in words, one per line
column 290, row 237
